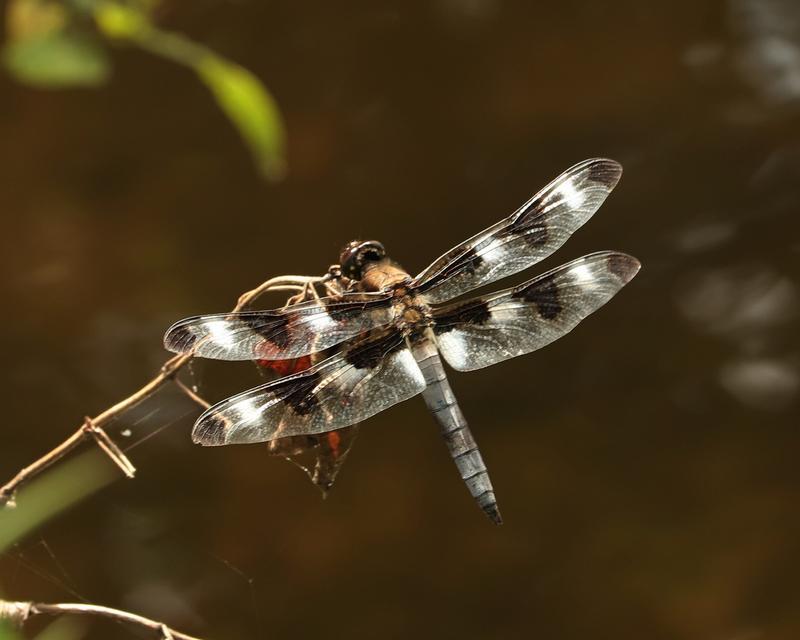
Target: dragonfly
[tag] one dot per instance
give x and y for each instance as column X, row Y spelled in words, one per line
column 388, row 331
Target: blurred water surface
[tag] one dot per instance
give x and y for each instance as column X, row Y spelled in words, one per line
column 646, row 464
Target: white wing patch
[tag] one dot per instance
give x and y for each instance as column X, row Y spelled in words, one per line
column 483, row 331
column 573, row 197
column 529, row 235
column 221, row 333
column 249, row 411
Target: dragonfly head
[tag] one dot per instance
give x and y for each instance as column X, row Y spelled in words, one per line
column 357, row 255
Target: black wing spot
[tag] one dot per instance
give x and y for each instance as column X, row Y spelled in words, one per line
column 340, row 311
column 623, row 266
column 472, row 312
column 544, row 294
column 273, row 327
column 180, row 339
column 368, row 354
column 471, row 261
column 296, row 392
column 530, row 227
column 606, row 172
column 211, row 431
column 537, row 234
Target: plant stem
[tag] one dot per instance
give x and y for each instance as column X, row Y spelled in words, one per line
column 93, row 427
column 19, row 612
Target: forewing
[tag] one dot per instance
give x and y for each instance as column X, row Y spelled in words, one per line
column 342, row 390
column 483, row 331
column 280, row 334
column 529, row 235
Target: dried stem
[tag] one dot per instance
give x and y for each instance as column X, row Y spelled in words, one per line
column 19, row 612
column 192, row 394
column 93, row 427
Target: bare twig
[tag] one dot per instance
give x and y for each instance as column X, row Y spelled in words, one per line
column 93, row 427
column 17, row 613
column 191, row 393
column 109, row 447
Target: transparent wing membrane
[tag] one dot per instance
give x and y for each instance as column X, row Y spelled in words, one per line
column 480, row 332
column 531, row 234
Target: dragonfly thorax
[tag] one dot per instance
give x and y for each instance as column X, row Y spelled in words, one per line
column 412, row 315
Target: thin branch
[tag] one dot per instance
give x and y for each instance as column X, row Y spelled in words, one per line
column 192, row 394
column 17, row 613
column 109, row 447
column 93, row 427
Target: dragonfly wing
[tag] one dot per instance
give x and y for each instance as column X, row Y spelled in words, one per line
column 357, row 383
column 280, row 334
column 529, row 235
column 480, row 332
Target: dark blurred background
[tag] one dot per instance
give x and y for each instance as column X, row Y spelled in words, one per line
column 646, row 464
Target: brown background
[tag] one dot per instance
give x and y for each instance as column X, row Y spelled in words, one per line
column 646, row 465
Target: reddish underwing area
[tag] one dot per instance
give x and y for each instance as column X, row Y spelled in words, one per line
column 320, row 456
column 286, row 367
column 334, row 440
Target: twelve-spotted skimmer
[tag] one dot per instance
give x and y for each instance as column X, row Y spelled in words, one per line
column 391, row 328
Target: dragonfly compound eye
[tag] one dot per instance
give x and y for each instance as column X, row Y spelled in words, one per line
column 357, row 254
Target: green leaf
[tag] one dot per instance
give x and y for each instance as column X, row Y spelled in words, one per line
column 250, row 107
column 65, row 628
column 240, row 94
column 121, row 21
column 55, row 491
column 56, row 60
column 7, row 632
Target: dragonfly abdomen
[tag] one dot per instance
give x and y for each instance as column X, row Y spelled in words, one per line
column 443, row 404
